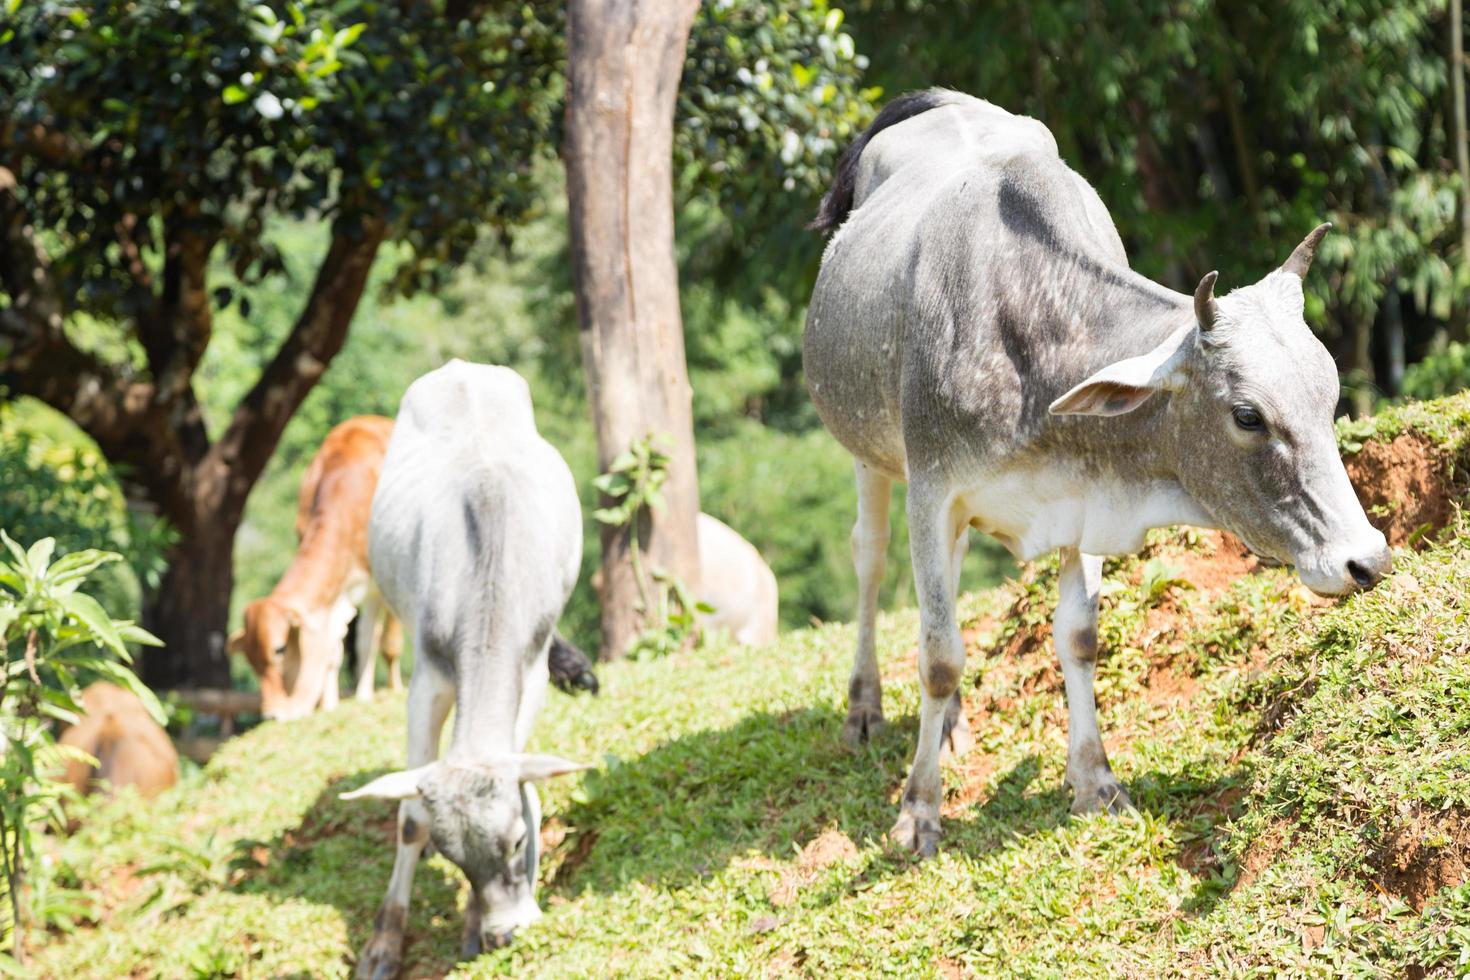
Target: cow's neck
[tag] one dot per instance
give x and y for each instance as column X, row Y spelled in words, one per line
column 323, row 566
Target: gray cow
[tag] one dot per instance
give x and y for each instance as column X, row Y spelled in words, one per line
column 475, row 541
column 976, row 331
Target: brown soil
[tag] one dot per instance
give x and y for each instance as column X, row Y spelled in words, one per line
column 829, row 847
column 1427, row 854
column 1404, row 484
column 1262, row 854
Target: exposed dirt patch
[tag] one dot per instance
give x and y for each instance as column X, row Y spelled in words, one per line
column 1262, row 853
column 829, row 847
column 1405, row 485
column 1428, row 853
column 1216, row 564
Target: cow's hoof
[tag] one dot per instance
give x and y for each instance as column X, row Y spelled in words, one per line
column 919, row 835
column 956, row 740
column 380, row 959
column 864, row 724
column 1107, row 796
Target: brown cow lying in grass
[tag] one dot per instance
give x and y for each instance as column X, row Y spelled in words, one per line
column 129, row 746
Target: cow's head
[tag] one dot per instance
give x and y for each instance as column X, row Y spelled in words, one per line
column 290, row 654
column 1251, row 413
column 486, row 818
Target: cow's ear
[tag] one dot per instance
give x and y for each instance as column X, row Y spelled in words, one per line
column 534, row 768
column 236, row 643
column 402, row 785
column 1124, row 385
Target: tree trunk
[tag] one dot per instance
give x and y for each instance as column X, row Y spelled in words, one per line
column 624, row 62
column 1462, row 142
column 190, row 610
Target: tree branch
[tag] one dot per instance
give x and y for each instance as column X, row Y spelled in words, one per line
column 240, row 455
column 119, row 411
column 176, row 337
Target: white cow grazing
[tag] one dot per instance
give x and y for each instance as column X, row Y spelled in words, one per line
column 737, row 582
column 475, row 542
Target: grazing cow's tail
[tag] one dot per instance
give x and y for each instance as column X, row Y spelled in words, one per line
column 838, row 200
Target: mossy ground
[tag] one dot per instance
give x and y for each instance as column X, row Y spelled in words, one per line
column 1299, row 769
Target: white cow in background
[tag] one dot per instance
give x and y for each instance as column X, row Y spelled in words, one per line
column 736, row 581
column 475, row 542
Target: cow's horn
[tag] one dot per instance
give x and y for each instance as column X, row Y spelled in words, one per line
column 1301, row 258
column 1205, row 309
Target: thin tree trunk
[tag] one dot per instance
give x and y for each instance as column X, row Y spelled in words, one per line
column 1462, row 142
column 624, row 62
column 1363, row 400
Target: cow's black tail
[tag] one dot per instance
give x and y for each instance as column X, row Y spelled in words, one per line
column 838, row 200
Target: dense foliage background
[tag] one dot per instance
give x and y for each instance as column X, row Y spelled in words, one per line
column 1217, row 135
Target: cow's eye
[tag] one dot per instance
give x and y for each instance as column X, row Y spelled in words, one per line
column 1248, row 419
column 281, row 650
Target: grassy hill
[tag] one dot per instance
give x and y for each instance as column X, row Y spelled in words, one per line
column 1300, row 769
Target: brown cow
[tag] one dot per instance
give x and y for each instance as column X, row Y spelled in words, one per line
column 129, row 746
column 293, row 637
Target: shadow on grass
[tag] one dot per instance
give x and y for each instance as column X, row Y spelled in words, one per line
column 768, row 784
column 341, row 854
column 775, row 781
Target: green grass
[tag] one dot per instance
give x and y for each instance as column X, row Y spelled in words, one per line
column 1299, row 769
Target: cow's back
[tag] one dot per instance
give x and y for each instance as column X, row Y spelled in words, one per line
column 737, row 582
column 342, row 477
column 476, row 516
column 958, row 212
column 129, row 746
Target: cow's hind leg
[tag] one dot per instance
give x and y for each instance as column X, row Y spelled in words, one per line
column 429, row 699
column 1074, row 627
column 941, row 664
column 392, row 647
column 366, row 642
column 957, row 739
column 869, row 554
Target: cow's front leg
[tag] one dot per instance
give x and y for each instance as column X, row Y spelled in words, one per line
column 869, row 554
column 429, row 700
column 941, row 664
column 1094, row 787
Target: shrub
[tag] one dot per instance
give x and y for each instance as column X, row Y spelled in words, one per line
column 55, row 638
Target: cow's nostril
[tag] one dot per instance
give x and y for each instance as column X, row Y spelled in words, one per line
column 1365, row 576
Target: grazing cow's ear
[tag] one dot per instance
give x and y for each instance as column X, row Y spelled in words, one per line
column 534, row 768
column 403, row 785
column 236, row 642
column 1124, row 385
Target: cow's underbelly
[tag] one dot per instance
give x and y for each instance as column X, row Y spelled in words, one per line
column 1034, row 510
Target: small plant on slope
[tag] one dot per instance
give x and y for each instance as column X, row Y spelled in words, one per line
column 668, row 607
column 53, row 635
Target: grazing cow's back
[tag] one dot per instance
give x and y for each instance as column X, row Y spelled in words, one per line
column 129, row 746
column 469, row 492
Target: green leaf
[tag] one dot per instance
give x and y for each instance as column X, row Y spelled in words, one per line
column 87, row 611
column 234, row 95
